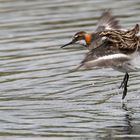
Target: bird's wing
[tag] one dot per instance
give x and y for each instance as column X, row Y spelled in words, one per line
column 105, row 55
column 107, row 21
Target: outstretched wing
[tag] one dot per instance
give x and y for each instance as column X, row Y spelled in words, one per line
column 105, row 55
column 107, row 21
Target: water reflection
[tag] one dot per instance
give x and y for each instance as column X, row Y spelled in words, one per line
column 124, row 131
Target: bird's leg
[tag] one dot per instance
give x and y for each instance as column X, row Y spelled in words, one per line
column 125, row 81
column 122, row 83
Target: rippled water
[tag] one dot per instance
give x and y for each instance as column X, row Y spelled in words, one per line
column 39, row 96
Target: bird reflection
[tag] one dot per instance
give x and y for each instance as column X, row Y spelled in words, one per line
column 128, row 119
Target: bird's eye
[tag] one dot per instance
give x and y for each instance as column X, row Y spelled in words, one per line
column 76, row 36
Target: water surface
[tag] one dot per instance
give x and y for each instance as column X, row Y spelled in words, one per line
column 39, row 97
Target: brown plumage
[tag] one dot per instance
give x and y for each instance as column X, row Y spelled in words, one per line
column 123, row 40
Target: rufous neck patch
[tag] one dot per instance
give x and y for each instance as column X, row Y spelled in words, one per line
column 88, row 38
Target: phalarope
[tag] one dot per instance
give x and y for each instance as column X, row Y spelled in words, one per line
column 111, row 46
column 118, row 51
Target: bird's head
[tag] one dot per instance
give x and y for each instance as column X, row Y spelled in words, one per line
column 80, row 36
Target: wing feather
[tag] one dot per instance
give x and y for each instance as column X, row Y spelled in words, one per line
column 107, row 21
column 105, row 55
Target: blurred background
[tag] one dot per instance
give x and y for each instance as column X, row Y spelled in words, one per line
column 39, row 97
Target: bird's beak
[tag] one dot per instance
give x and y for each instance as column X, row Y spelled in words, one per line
column 70, row 43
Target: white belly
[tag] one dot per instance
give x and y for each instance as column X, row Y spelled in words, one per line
column 119, row 61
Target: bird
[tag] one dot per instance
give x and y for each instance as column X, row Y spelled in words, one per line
column 106, row 22
column 118, row 51
column 110, row 46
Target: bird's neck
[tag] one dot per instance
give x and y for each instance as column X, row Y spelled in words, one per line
column 88, row 38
